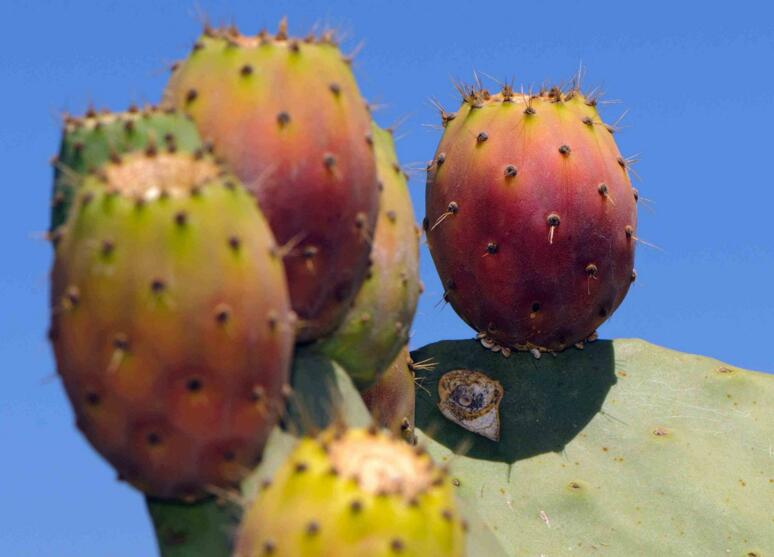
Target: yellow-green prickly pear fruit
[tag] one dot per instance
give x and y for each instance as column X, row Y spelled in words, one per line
column 354, row 493
column 171, row 321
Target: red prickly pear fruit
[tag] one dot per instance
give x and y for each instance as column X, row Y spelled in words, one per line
column 287, row 116
column 391, row 399
column 531, row 217
column 171, row 322
column 377, row 326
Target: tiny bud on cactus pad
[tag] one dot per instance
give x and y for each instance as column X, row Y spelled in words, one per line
column 98, row 137
column 377, row 326
column 288, row 118
column 171, row 322
column 353, row 494
column 391, row 399
column 531, row 217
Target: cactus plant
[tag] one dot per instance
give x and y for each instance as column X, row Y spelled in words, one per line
column 377, row 326
column 531, row 217
column 90, row 141
column 350, row 493
column 624, row 448
column 287, row 116
column 171, row 322
column 173, row 329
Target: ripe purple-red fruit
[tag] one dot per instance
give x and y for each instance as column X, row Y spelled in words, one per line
column 531, row 217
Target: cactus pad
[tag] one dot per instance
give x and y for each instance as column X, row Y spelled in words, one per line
column 624, row 448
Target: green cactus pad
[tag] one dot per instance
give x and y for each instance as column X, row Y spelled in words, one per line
column 624, row 448
column 89, row 142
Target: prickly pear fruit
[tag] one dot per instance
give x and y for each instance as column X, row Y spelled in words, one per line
column 92, row 140
column 377, row 325
column 391, row 399
column 531, row 217
column 171, row 322
column 288, row 118
column 353, row 494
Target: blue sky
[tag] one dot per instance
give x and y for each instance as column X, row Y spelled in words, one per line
column 697, row 79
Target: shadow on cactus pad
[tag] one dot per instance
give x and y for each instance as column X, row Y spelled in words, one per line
column 545, row 402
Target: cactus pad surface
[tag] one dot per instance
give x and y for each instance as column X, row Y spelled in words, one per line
column 624, row 448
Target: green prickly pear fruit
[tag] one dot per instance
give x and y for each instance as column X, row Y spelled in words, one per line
column 90, row 141
column 287, row 116
column 171, row 323
column 391, row 399
column 377, row 326
column 353, row 494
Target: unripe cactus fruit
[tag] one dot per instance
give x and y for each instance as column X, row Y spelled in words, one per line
column 90, row 141
column 531, row 217
column 377, row 326
column 391, row 399
column 288, row 118
column 171, row 322
column 353, row 494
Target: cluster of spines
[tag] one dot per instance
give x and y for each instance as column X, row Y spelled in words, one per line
column 233, row 38
column 101, row 136
column 476, row 96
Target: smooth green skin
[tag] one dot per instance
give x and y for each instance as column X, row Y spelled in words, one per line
column 323, row 394
column 105, row 134
column 624, row 448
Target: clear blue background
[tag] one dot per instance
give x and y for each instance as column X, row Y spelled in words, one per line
column 698, row 79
